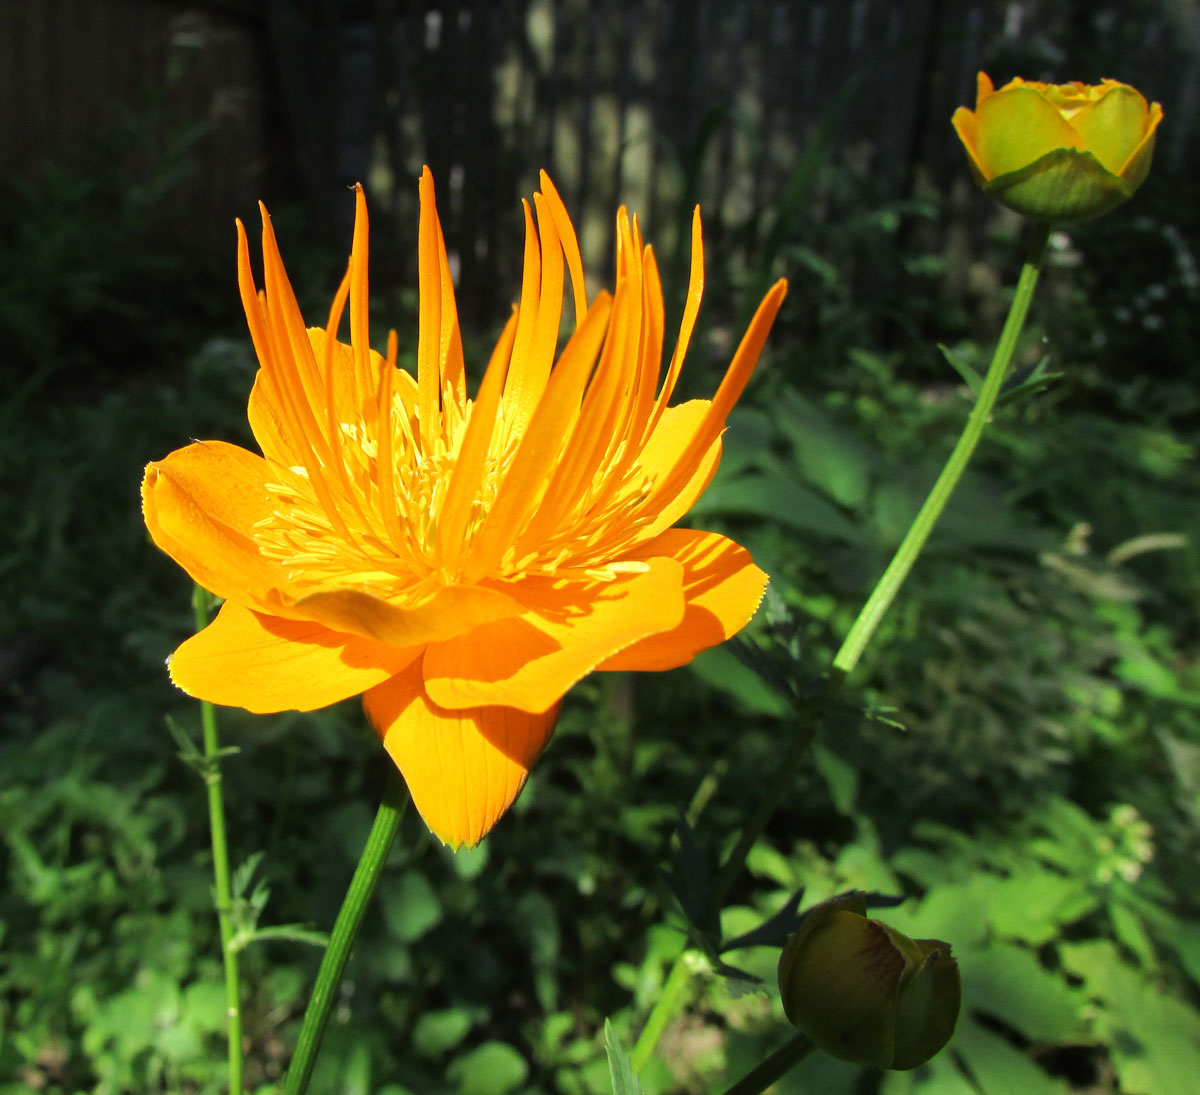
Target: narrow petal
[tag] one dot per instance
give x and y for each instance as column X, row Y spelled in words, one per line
column 530, row 661
column 265, row 663
column 468, row 474
column 722, row 588
column 463, row 768
column 542, row 444
column 201, row 504
column 429, row 337
column 570, row 245
column 737, row 376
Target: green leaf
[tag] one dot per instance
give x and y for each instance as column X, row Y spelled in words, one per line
column 438, row 1031
column 971, row 377
column 831, row 457
column 997, row 1066
column 775, row 494
column 1008, row 982
column 1032, row 905
column 410, row 905
column 1152, row 1037
column 720, row 667
column 493, row 1068
column 624, row 1082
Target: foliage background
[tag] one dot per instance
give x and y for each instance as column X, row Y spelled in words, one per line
column 1026, row 766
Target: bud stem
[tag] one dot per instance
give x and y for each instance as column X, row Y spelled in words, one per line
column 906, row 555
column 780, row 1062
column 341, row 939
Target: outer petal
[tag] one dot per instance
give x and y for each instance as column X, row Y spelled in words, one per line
column 966, row 125
column 722, row 588
column 530, row 662
column 1113, row 126
column 200, row 505
column 1016, row 127
column 451, row 611
column 265, row 663
column 463, row 768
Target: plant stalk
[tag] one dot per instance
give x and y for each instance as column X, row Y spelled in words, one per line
column 354, row 905
column 220, row 854
column 902, row 562
column 785, row 1058
column 664, row 1008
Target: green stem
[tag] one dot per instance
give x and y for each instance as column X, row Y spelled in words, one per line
column 664, row 1007
column 775, row 1066
column 220, row 854
column 329, row 976
column 863, row 628
column 906, row 555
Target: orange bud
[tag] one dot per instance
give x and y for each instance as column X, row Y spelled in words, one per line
column 1059, row 152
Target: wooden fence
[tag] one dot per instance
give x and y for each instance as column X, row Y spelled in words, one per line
column 655, row 103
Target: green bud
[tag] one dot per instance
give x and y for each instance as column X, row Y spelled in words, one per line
column 865, row 993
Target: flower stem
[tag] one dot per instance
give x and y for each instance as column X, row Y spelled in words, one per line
column 784, row 1058
column 664, row 1008
column 354, row 905
column 220, row 854
column 906, row 555
column 858, row 637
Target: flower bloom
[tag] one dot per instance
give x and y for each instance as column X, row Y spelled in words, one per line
column 1059, row 152
column 459, row 562
column 863, row 992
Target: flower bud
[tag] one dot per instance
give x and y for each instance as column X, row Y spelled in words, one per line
column 865, row 993
column 1059, row 152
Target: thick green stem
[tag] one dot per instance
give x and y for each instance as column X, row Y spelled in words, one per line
column 220, row 854
column 664, row 1008
column 775, row 1066
column 333, row 965
column 906, row 555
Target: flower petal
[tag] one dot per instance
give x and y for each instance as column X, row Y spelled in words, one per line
column 568, row 629
column 1017, row 126
column 1113, row 126
column 722, row 588
column 463, row 768
column 450, row 611
column 266, row 663
column 201, row 504
column 340, row 403
column 663, row 451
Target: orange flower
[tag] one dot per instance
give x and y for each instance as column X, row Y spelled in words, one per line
column 459, row 562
